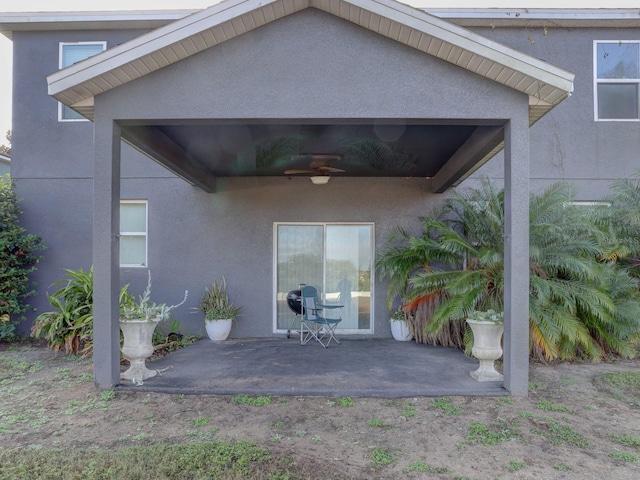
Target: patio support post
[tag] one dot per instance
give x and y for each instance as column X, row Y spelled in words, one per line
column 106, row 230
column 516, row 256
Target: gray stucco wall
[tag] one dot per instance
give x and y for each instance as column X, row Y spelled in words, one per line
column 310, row 65
column 53, row 161
column 307, row 66
column 567, row 143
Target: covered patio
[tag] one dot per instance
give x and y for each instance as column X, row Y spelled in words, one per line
column 382, row 368
column 211, row 95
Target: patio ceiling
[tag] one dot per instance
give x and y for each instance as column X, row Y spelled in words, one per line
column 202, row 151
column 441, row 151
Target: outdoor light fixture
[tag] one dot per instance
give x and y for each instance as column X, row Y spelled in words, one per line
column 320, row 179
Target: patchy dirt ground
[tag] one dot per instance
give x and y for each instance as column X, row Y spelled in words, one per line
column 574, row 424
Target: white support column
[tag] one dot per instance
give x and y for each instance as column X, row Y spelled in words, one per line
column 516, row 256
column 106, row 230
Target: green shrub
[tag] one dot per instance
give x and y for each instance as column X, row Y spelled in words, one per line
column 18, row 259
column 584, row 303
column 70, row 325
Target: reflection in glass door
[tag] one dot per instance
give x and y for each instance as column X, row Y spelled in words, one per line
column 334, row 258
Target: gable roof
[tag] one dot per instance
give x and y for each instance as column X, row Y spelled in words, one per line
column 77, row 85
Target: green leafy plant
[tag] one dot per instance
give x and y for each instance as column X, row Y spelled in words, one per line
column 492, row 435
column 624, row 456
column 397, row 314
column 515, row 465
column 215, row 302
column 145, row 308
column 486, row 316
column 254, row 401
column 70, row 325
column 382, row 456
column 550, row 406
column 18, row 260
column 346, row 402
column 446, row 406
column 584, row 302
column 627, row 440
column 379, row 423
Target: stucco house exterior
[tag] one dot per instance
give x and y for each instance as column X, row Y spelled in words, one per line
column 182, row 144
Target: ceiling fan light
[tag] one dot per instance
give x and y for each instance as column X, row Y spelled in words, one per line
column 320, row 179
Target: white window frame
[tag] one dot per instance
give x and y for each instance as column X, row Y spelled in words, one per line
column 597, row 81
column 589, row 203
column 371, row 329
column 60, row 52
column 144, row 234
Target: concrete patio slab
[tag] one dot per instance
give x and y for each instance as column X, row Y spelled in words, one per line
column 278, row 366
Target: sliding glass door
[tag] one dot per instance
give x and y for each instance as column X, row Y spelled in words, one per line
column 334, row 258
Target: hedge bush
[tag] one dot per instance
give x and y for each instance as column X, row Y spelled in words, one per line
column 18, row 259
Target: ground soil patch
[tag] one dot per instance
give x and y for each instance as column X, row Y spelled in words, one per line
column 575, row 424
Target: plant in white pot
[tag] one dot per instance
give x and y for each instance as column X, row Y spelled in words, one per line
column 400, row 327
column 487, row 327
column 138, row 320
column 218, row 310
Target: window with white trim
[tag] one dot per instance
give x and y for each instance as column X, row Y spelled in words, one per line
column 617, row 80
column 133, row 233
column 71, row 53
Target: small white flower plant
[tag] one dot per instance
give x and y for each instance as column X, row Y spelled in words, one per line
column 144, row 308
column 486, row 316
column 398, row 314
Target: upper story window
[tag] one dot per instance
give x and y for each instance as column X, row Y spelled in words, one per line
column 133, row 233
column 617, row 80
column 71, row 53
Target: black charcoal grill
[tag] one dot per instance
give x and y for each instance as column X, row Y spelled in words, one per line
column 294, row 302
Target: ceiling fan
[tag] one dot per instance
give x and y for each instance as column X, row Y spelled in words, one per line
column 318, row 166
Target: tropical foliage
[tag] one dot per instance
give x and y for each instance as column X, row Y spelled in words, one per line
column 584, row 303
column 70, row 325
column 18, row 259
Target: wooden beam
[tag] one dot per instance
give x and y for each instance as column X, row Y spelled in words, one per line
column 154, row 143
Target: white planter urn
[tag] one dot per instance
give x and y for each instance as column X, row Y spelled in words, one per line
column 218, row 330
column 487, row 347
column 137, row 347
column 401, row 330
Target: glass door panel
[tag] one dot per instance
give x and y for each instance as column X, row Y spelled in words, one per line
column 348, row 265
column 300, row 260
column 336, row 260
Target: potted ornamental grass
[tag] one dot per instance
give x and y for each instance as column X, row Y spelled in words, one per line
column 219, row 311
column 138, row 320
column 487, row 327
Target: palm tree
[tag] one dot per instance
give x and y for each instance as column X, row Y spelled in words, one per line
column 580, row 305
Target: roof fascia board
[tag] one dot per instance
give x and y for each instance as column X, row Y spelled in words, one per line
column 57, row 21
column 67, row 84
column 470, row 41
column 533, row 17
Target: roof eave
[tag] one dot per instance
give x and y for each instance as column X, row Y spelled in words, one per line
column 77, row 84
